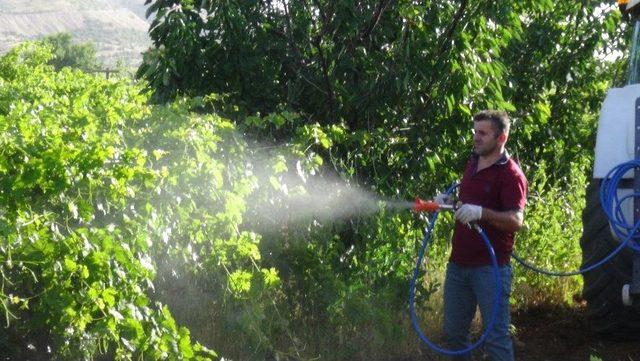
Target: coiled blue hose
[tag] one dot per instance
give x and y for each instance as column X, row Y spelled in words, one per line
column 412, row 289
column 612, row 207
column 612, row 204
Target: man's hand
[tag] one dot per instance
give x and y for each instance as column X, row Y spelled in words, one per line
column 468, row 213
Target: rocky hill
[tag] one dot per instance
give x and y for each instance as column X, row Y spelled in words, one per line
column 116, row 27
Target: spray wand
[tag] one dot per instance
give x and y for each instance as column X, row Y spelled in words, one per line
column 431, row 206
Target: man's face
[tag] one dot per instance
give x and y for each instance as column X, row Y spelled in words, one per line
column 485, row 138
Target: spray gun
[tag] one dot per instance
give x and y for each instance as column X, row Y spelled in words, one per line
column 422, row 206
column 431, row 206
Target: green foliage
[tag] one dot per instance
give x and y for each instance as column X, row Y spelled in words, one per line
column 90, row 181
column 551, row 239
column 68, row 54
column 407, row 75
column 198, row 205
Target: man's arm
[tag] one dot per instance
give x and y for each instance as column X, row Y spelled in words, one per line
column 508, row 221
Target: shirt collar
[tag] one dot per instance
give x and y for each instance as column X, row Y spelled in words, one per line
column 504, row 158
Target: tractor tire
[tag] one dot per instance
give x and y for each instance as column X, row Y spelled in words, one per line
column 602, row 288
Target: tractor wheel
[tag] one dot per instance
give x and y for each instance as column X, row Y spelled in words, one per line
column 602, row 287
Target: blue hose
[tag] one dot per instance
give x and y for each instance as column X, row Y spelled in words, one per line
column 612, row 207
column 412, row 289
column 612, row 204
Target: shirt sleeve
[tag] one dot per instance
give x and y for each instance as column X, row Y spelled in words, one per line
column 513, row 195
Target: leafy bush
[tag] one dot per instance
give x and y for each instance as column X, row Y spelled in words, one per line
column 101, row 194
column 551, row 238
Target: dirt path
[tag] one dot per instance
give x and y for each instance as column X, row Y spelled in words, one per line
column 562, row 334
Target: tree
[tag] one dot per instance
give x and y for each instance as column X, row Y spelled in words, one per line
column 414, row 71
column 68, row 54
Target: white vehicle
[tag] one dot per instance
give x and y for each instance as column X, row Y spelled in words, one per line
column 612, row 291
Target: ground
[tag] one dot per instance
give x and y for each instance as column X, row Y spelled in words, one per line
column 551, row 333
column 562, row 334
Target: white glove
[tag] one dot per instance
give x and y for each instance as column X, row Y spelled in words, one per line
column 468, row 213
column 443, row 198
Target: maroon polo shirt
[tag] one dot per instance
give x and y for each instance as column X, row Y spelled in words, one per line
column 500, row 187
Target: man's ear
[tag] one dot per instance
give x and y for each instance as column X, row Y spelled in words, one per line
column 502, row 138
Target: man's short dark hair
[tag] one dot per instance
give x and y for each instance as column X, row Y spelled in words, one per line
column 499, row 119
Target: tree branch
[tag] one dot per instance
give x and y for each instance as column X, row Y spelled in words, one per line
column 375, row 19
column 317, row 42
column 448, row 35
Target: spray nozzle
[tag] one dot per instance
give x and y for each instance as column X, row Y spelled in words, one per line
column 430, row 206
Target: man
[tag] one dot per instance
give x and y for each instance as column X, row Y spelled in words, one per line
column 493, row 193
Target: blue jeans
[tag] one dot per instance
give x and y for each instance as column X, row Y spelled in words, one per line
column 465, row 288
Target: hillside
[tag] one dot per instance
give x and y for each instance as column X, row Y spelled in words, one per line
column 117, row 28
